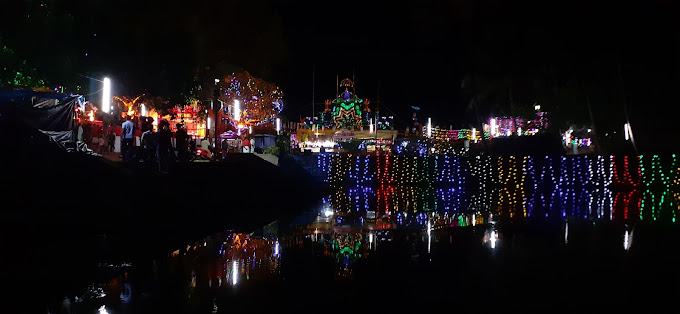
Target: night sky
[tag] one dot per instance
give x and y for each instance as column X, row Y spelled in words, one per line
column 414, row 53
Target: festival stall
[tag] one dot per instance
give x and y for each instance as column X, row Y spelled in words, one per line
column 232, row 140
column 54, row 114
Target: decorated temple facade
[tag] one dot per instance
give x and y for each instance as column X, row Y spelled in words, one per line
column 346, row 110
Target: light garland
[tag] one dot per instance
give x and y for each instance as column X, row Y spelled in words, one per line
column 599, row 187
column 259, row 101
column 598, row 183
column 656, row 180
column 482, row 173
column 511, row 198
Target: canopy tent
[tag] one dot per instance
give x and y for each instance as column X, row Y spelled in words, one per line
column 263, row 141
column 229, row 135
column 53, row 114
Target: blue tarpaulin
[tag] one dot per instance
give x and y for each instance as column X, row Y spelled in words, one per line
column 52, row 113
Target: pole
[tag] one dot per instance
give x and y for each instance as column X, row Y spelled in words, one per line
column 625, row 105
column 313, row 111
column 377, row 114
column 596, row 141
column 216, row 109
column 354, row 83
column 207, row 124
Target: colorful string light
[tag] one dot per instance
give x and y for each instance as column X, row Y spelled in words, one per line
column 598, row 187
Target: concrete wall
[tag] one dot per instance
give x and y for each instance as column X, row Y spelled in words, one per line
column 270, row 158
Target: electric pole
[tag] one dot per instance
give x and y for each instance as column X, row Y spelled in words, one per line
column 216, row 110
column 377, row 115
column 313, row 111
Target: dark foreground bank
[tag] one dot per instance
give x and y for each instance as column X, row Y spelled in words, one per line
column 65, row 214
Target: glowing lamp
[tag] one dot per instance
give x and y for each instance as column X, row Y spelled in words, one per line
column 234, row 272
column 106, row 95
column 237, row 110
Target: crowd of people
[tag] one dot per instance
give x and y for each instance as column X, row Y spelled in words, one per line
column 156, row 147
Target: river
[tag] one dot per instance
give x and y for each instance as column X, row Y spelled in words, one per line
column 445, row 233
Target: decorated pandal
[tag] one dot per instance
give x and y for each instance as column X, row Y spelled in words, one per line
column 446, row 188
column 517, row 126
column 189, row 117
column 345, row 118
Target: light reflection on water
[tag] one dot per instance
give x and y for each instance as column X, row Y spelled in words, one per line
column 357, row 223
column 631, row 188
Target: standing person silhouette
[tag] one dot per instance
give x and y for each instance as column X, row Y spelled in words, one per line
column 225, row 148
column 164, row 145
column 102, row 145
column 149, row 145
column 181, row 144
column 112, row 141
column 127, row 137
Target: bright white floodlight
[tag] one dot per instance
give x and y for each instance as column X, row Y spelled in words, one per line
column 106, row 95
column 237, row 110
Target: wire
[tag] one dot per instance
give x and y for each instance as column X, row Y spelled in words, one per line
column 94, row 92
column 92, row 78
column 394, row 114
